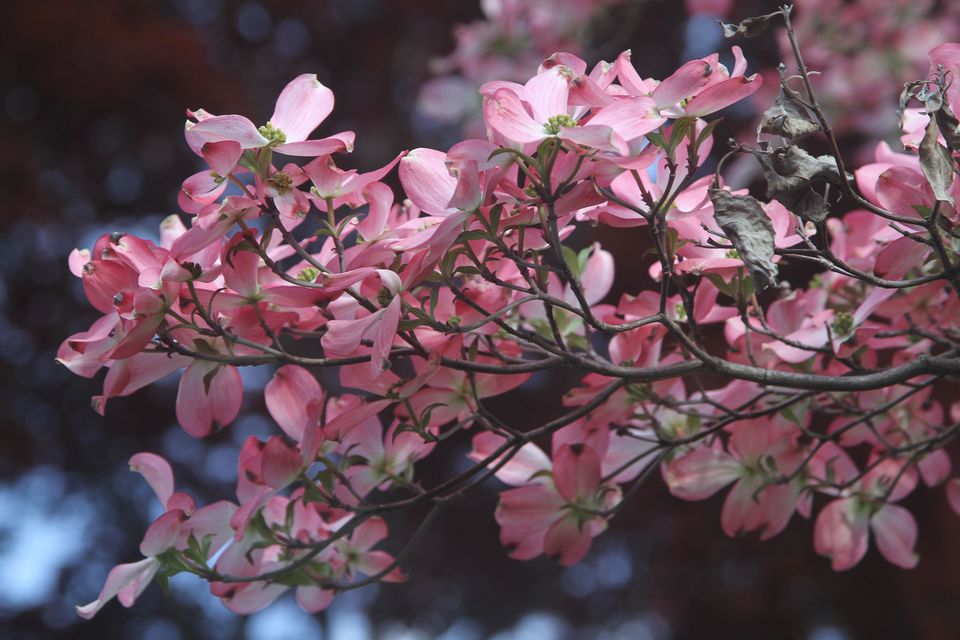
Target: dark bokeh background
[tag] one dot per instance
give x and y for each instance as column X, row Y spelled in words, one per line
column 92, row 98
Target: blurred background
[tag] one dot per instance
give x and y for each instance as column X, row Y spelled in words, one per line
column 92, row 99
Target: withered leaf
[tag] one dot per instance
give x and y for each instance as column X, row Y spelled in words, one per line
column 909, row 90
column 931, row 97
column 949, row 126
column 932, row 93
column 791, row 173
column 936, row 162
column 788, row 117
column 748, row 228
column 750, row 27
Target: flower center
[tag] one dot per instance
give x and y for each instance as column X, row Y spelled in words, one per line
column 273, row 134
column 555, row 123
column 281, row 181
column 843, row 323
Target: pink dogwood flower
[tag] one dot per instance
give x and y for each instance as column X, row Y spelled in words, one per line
column 759, row 452
column 174, row 529
column 561, row 517
column 843, row 527
column 302, row 105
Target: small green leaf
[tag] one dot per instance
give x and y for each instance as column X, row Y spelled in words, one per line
column 570, row 257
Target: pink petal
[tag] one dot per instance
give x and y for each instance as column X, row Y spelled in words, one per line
column 899, row 257
column 222, row 157
column 631, row 118
column 701, row 473
column 935, row 468
column 136, row 336
column 241, row 266
column 77, row 260
column 524, row 515
column 597, row 276
column 840, row 533
column 468, row 195
column 343, row 336
column 546, row 93
column 684, row 83
column 157, row 472
column 211, row 521
column 181, row 501
column 293, row 297
column 521, row 468
column 741, row 512
column 328, row 179
column 567, row 541
column 222, row 128
column 628, row 77
column 596, row 136
column 287, row 396
column 162, row 534
column 375, row 562
column 577, row 64
column 303, row 104
column 313, row 148
column 753, row 439
column 136, row 575
column 103, row 280
column 505, row 114
column 314, row 599
column 896, row 533
column 878, row 479
column 899, row 189
column 477, row 150
column 81, row 352
column 576, row 471
column 208, row 398
column 252, row 597
column 722, row 94
column 134, row 373
column 386, row 333
column 280, row 463
column 586, row 92
column 198, row 238
column 427, row 181
column 739, row 60
column 380, row 199
column 199, row 190
column 581, row 196
column 622, row 456
column 778, row 503
column 592, row 433
column 341, row 425
column 368, row 534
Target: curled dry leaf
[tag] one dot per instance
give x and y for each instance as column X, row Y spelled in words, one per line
column 749, row 28
column 949, row 126
column 937, row 105
column 787, row 117
column 791, row 172
column 932, row 93
column 747, row 226
column 936, row 162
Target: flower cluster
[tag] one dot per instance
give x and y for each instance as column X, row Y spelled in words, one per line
column 510, row 42
column 823, row 397
column 863, row 51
